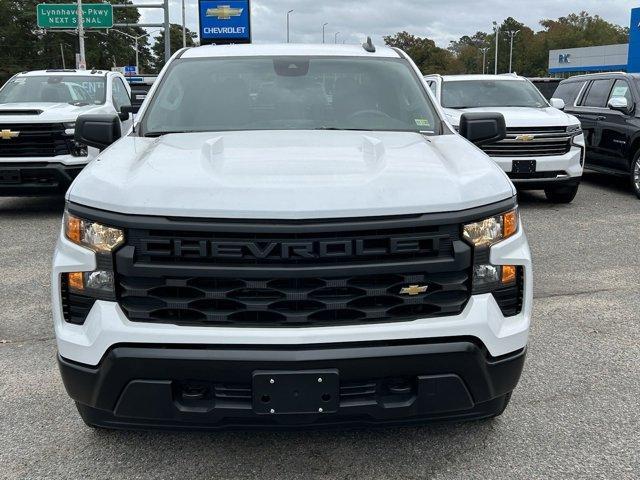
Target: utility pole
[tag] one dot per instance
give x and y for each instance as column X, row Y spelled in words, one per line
column 167, row 33
column 512, row 34
column 184, row 26
column 288, row 13
column 164, row 5
column 335, row 37
column 64, row 66
column 83, row 60
column 484, row 51
column 496, row 29
column 323, row 27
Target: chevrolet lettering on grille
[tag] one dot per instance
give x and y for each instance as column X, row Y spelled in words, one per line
column 289, row 250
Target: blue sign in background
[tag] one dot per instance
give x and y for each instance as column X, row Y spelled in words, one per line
column 225, row 21
column 633, row 64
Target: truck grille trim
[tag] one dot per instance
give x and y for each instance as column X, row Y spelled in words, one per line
column 292, row 301
column 546, row 141
column 35, row 140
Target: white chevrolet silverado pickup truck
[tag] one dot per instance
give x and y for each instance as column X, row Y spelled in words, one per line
column 544, row 148
column 38, row 111
column 290, row 235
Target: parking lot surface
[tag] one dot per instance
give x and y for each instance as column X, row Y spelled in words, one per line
column 575, row 413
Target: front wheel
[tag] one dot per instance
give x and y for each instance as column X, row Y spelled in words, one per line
column 561, row 194
column 635, row 174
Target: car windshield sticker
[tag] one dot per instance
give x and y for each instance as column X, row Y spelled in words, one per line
column 423, row 122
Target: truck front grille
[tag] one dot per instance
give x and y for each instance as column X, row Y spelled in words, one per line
column 292, row 302
column 293, row 273
column 531, row 142
column 34, row 140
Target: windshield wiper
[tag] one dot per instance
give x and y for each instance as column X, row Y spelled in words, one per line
column 344, row 129
column 161, row 133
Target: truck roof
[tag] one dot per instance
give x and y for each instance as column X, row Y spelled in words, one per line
column 454, row 78
column 64, row 72
column 291, row 49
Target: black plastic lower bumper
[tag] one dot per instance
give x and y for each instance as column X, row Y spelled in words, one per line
column 210, row 387
column 541, row 184
column 34, row 179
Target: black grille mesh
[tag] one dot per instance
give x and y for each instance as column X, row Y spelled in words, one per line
column 35, row 140
column 292, row 301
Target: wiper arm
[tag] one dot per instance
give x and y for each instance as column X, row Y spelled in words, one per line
column 165, row 132
column 344, row 129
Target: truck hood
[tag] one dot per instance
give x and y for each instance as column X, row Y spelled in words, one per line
column 34, row 112
column 519, row 116
column 290, row 175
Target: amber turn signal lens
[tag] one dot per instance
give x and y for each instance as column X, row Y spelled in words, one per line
column 508, row 273
column 74, row 224
column 76, row 280
column 510, row 223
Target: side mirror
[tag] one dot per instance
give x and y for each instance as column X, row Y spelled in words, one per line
column 557, row 103
column 483, row 128
column 126, row 111
column 98, row 131
column 619, row 104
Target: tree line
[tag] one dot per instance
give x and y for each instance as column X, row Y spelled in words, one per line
column 530, row 49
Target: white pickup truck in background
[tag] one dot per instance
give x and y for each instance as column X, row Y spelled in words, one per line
column 38, row 111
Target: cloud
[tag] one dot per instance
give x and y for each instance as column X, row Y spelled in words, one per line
column 439, row 20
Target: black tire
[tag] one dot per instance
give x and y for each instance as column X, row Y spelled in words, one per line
column 561, row 194
column 635, row 174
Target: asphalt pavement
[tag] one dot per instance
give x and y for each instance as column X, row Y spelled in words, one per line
column 575, row 414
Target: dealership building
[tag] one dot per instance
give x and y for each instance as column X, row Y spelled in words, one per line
column 606, row 58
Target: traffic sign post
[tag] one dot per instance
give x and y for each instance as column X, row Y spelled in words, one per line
column 65, row 15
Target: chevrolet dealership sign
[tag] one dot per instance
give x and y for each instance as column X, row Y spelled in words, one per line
column 225, row 21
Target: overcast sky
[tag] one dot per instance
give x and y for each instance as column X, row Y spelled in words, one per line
column 440, row 20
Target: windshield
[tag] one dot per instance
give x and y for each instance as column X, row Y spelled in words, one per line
column 491, row 93
column 74, row 89
column 289, row 93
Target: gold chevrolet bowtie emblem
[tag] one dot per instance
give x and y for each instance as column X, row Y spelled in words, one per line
column 414, row 290
column 525, row 138
column 8, row 134
column 224, row 12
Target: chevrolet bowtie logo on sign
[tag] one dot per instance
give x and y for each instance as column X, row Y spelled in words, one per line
column 8, row 134
column 414, row 290
column 525, row 138
column 224, row 12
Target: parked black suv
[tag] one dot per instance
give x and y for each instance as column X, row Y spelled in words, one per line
column 607, row 106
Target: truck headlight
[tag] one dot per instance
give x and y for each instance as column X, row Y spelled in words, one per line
column 99, row 238
column 574, row 130
column 491, row 230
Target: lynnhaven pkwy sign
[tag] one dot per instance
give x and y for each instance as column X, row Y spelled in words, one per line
column 65, row 15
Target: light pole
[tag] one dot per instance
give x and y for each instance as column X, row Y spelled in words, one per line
column 83, row 60
column 512, row 34
column 496, row 30
column 335, row 37
column 323, row 26
column 484, row 51
column 135, row 39
column 184, row 26
column 288, row 13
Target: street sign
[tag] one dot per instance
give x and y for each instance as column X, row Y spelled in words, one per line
column 130, row 70
column 225, row 21
column 65, row 15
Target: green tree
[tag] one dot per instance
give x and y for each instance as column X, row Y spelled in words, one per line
column 175, row 40
column 424, row 52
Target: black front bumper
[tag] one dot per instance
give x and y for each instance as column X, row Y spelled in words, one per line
column 542, row 183
column 211, row 387
column 35, row 179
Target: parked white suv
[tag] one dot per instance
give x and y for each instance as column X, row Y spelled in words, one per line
column 291, row 235
column 544, row 148
column 38, row 111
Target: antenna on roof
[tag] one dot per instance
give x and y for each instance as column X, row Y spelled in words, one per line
column 369, row 46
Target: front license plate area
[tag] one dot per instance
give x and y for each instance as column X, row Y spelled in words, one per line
column 296, row 392
column 524, row 166
column 10, row 176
